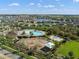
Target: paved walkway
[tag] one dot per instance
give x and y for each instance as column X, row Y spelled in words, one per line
column 9, row 54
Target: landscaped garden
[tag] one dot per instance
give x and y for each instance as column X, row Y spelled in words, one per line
column 70, row 46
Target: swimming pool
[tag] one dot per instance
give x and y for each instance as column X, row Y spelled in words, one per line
column 31, row 32
column 37, row 33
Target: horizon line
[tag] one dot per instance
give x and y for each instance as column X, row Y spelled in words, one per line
column 34, row 14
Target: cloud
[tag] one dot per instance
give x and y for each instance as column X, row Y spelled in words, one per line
column 31, row 4
column 75, row 0
column 62, row 5
column 49, row 6
column 45, row 6
column 39, row 5
column 14, row 4
column 57, row 0
column 3, row 9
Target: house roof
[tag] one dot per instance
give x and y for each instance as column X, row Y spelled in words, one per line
column 45, row 49
column 50, row 45
column 56, row 38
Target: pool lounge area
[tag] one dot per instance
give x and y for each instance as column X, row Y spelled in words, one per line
column 30, row 32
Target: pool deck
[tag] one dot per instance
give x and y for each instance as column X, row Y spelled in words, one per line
column 27, row 32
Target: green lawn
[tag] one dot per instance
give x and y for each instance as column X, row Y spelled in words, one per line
column 69, row 46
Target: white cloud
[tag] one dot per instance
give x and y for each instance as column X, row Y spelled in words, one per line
column 14, row 4
column 49, row 6
column 3, row 9
column 31, row 4
column 39, row 5
column 62, row 5
column 75, row 0
column 57, row 0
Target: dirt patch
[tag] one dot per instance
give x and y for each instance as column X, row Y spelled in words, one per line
column 33, row 42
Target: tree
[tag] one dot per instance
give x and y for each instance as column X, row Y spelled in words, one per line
column 77, row 33
column 66, row 57
column 71, row 55
column 49, row 32
column 30, row 52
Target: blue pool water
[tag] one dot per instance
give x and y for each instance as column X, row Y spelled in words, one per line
column 37, row 33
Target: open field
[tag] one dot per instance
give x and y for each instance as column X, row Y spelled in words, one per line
column 67, row 47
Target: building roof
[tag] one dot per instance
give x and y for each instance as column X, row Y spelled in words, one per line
column 45, row 49
column 56, row 38
column 50, row 45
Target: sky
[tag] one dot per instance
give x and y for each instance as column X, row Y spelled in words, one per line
column 39, row 6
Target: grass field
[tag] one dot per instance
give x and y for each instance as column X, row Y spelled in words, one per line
column 67, row 47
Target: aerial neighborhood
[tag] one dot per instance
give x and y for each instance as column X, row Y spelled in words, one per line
column 39, row 36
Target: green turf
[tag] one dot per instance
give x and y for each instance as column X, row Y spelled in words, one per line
column 69, row 46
